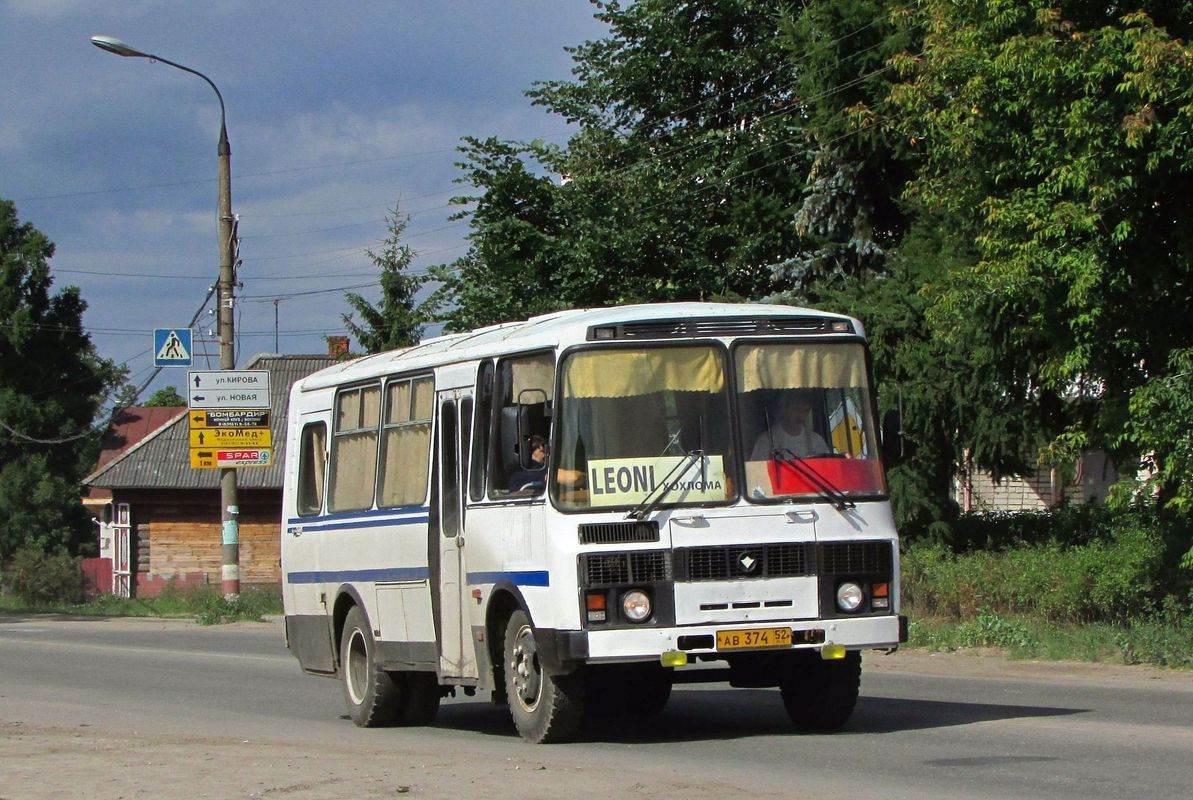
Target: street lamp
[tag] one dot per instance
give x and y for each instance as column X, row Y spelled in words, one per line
column 229, row 508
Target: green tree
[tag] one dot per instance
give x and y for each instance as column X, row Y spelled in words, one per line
column 51, row 385
column 1056, row 140
column 164, row 397
column 679, row 185
column 396, row 321
column 967, row 401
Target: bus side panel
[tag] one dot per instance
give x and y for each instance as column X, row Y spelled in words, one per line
column 308, row 626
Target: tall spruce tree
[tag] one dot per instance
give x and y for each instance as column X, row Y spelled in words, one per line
column 396, row 321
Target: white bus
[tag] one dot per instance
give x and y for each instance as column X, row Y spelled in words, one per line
column 577, row 511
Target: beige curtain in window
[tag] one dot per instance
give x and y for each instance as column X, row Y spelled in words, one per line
column 313, row 469
column 354, row 465
column 629, row 373
column 770, row 366
column 405, row 465
column 536, row 372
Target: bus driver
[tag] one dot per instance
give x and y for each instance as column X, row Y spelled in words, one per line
column 792, row 432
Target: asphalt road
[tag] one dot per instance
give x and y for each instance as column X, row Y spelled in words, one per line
column 132, row 708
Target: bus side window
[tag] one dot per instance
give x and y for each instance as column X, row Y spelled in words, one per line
column 312, row 469
column 465, row 439
column 449, row 479
column 521, row 401
column 406, row 445
column 481, row 431
column 354, row 449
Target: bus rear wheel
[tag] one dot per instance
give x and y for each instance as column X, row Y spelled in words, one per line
column 373, row 696
column 820, row 695
column 545, row 708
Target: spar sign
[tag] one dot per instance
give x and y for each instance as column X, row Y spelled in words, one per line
column 216, row 458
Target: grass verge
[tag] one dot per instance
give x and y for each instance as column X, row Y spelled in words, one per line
column 205, row 605
column 1163, row 639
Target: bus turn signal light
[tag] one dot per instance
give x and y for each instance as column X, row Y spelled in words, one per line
column 594, row 603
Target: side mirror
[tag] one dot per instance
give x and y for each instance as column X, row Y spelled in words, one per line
column 108, row 514
column 892, row 437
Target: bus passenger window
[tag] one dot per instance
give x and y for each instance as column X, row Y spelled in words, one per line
column 354, row 449
column 406, row 444
column 312, row 468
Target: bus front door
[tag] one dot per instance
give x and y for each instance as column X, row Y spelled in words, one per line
column 456, row 658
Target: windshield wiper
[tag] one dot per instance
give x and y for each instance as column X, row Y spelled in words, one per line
column 656, row 495
column 826, row 488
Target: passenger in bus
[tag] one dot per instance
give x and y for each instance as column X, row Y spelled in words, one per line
column 790, row 431
column 535, row 477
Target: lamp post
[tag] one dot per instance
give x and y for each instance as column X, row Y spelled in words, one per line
column 229, row 508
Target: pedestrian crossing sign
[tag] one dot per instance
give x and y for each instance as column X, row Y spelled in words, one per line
column 172, row 347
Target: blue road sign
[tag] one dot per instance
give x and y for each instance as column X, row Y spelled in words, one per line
column 172, row 347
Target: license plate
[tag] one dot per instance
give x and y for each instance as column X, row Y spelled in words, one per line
column 754, row 637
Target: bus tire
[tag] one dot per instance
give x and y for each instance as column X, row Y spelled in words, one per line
column 820, row 695
column 422, row 698
column 373, row 695
column 546, row 708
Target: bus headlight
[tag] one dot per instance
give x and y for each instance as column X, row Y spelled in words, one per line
column 635, row 604
column 849, row 597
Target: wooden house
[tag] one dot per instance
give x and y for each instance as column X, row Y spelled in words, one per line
column 165, row 516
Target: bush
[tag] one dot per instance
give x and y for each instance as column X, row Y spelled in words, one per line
column 1108, row 578
column 41, row 578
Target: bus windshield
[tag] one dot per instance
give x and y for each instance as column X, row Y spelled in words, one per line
column 643, row 424
column 806, row 418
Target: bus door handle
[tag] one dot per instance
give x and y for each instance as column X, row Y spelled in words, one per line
column 296, row 531
column 459, row 542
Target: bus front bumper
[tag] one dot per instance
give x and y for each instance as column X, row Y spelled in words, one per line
column 637, row 644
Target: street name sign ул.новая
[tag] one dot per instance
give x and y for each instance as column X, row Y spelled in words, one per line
column 229, row 419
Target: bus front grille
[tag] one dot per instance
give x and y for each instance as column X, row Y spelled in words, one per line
column 782, row 560
column 855, row 558
column 736, row 562
column 613, row 569
column 619, row 532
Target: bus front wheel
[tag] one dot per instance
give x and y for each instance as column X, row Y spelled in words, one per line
column 545, row 708
column 820, row 695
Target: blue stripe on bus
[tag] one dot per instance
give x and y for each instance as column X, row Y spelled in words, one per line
column 348, row 575
column 531, row 578
column 374, row 519
column 357, row 515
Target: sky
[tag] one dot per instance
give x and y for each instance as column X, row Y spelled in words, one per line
column 335, row 113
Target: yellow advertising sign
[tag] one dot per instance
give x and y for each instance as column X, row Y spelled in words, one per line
column 231, row 437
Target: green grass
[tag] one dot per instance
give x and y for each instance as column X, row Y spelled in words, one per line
column 1163, row 639
column 205, row 605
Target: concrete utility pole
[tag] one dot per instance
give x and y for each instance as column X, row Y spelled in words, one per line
column 229, row 506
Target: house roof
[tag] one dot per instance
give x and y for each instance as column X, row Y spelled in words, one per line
column 130, row 425
column 161, row 459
